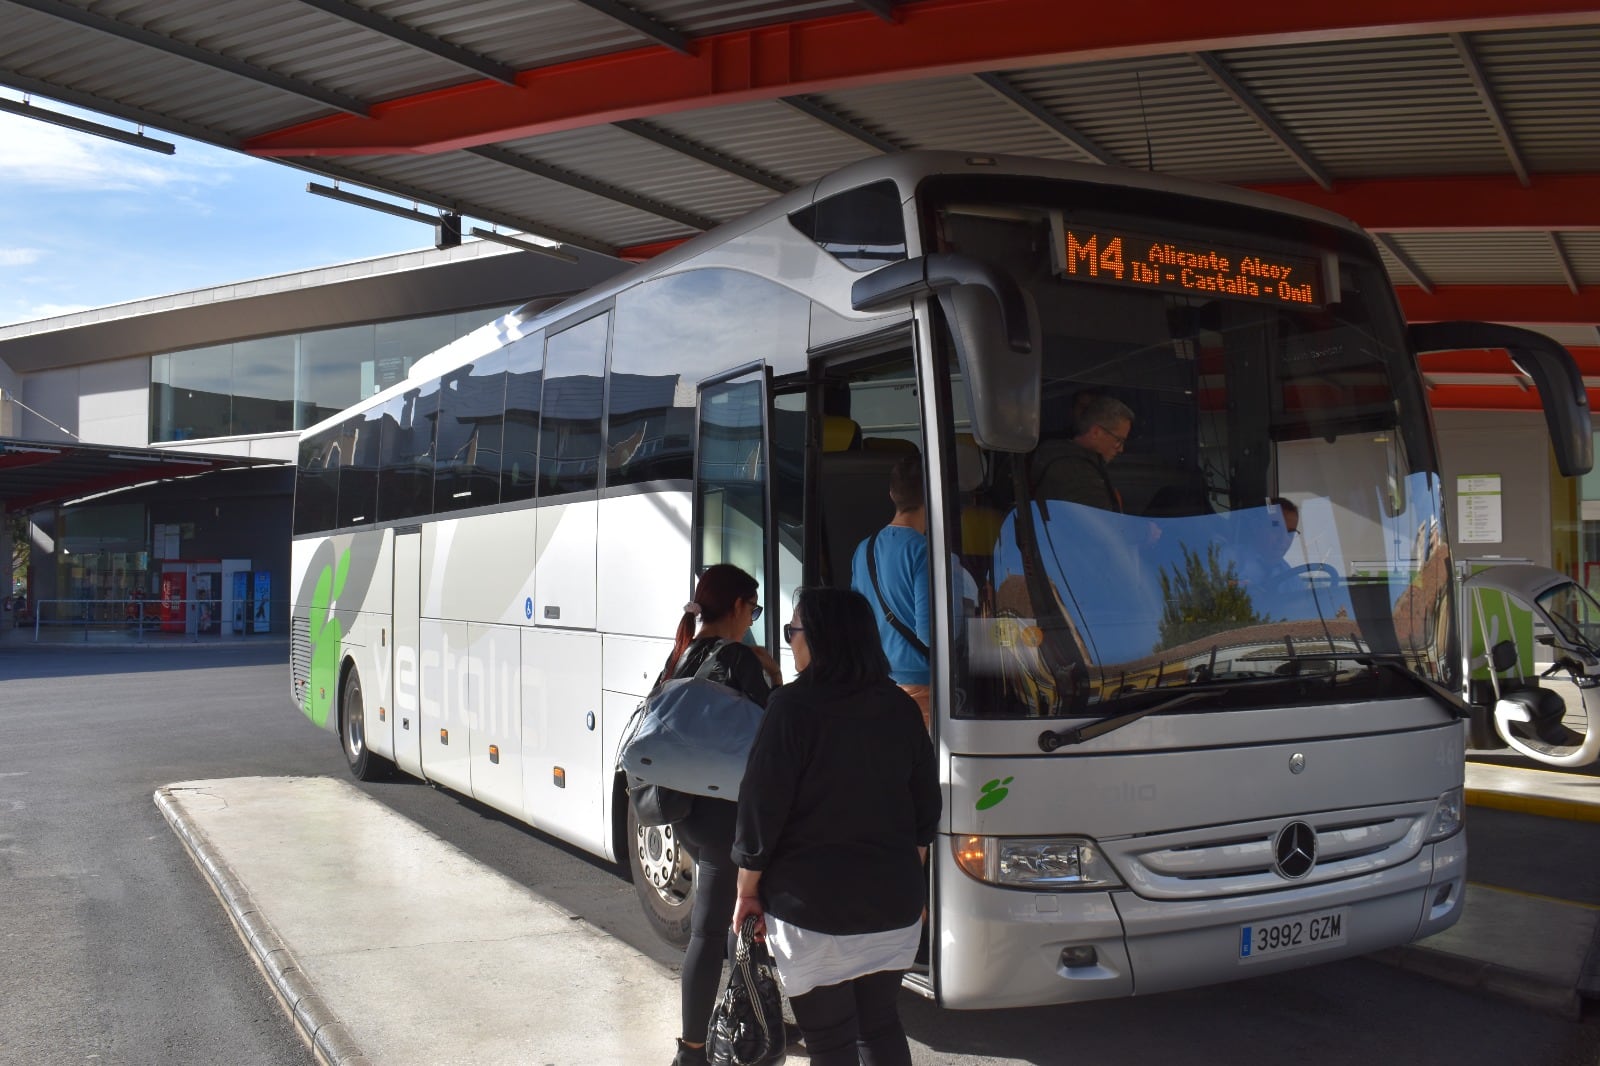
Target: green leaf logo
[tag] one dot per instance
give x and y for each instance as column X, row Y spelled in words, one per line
column 326, row 633
column 993, row 793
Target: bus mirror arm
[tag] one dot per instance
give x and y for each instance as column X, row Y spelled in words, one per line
column 995, row 330
column 1553, row 370
column 898, row 283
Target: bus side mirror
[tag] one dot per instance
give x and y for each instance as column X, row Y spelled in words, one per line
column 996, row 333
column 1553, row 370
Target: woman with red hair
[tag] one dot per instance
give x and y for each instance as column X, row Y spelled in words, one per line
column 715, row 623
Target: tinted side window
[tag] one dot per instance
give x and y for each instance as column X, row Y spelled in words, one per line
column 405, row 482
column 358, row 479
column 569, row 425
column 519, row 461
column 471, row 414
column 316, row 483
column 675, row 332
column 863, row 228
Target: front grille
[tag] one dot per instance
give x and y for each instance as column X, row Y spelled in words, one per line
column 1239, row 859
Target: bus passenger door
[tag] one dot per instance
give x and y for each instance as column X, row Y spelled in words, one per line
column 404, row 727
column 870, row 418
column 732, row 510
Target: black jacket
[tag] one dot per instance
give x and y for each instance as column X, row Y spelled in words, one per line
column 737, row 667
column 840, row 790
column 1066, row 470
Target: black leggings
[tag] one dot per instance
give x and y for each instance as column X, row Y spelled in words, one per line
column 708, row 831
column 856, row 1021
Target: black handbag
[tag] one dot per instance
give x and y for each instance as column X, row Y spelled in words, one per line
column 747, row 1024
column 659, row 805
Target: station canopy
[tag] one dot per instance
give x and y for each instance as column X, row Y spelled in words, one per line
column 35, row 475
column 1465, row 134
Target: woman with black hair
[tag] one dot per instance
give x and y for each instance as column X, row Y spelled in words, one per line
column 839, row 803
column 714, row 623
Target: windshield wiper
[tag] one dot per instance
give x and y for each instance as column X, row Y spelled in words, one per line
column 1393, row 660
column 1051, row 739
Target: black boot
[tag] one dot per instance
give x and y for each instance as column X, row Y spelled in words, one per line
column 689, row 1056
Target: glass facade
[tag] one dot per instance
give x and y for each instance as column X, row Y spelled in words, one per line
column 281, row 384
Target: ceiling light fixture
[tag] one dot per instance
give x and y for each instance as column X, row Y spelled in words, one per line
column 83, row 125
column 553, row 251
column 446, row 224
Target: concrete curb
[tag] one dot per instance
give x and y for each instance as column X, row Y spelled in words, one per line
column 327, row 1037
column 1543, row 806
column 1541, row 993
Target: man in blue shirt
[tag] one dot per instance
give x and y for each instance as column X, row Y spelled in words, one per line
column 890, row 569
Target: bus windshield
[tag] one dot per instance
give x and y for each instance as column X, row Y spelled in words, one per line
column 1234, row 481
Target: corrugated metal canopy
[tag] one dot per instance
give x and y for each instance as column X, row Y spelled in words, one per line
column 1465, row 133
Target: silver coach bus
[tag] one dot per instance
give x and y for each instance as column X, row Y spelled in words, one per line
column 1181, row 742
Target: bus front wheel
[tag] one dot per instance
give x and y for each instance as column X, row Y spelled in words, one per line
column 365, row 764
column 663, row 878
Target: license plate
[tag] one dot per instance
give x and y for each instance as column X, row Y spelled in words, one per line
column 1293, row 934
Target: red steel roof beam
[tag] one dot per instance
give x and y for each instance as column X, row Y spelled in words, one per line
column 1498, row 361
column 1554, row 202
column 1490, row 398
column 932, row 39
column 1489, row 202
column 1549, row 305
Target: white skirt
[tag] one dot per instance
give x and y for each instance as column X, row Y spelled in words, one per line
column 806, row 959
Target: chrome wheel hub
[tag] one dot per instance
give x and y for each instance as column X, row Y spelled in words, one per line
column 665, row 864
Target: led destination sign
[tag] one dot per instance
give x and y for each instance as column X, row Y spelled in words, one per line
column 1120, row 257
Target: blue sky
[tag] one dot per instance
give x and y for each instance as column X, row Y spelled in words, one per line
column 86, row 222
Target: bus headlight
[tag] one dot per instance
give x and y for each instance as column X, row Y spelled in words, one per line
column 1035, row 862
column 1446, row 821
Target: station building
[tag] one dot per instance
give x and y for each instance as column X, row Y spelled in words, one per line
column 150, row 445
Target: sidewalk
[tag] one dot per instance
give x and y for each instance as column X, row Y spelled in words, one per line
column 1532, row 949
column 293, row 860
column 1551, row 794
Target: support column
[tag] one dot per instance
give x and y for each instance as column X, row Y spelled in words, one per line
column 7, row 549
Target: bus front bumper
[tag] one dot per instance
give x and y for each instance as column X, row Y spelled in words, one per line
column 1004, row 947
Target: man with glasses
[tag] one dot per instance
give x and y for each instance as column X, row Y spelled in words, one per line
column 1076, row 470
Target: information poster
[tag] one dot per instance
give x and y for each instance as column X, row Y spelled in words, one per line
column 241, row 600
column 1478, row 518
column 166, row 540
column 262, row 615
column 208, row 603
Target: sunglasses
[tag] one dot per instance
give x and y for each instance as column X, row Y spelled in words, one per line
column 789, row 630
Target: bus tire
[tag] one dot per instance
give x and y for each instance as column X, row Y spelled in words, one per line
column 663, row 879
column 365, row 764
